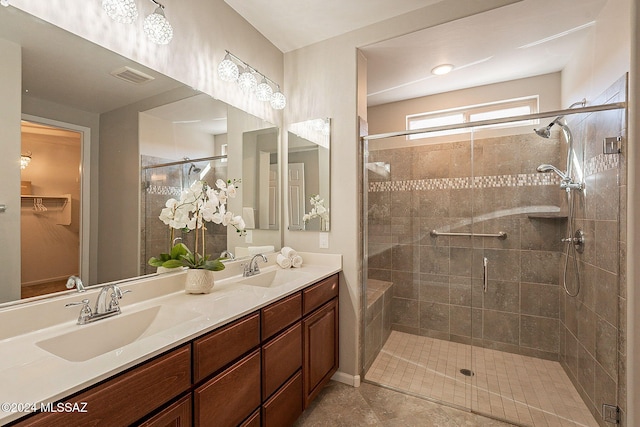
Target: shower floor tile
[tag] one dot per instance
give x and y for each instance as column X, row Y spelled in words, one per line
column 521, row 389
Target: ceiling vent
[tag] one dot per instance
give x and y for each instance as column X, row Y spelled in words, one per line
column 132, row 75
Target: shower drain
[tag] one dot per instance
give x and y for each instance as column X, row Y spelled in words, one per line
column 467, row 372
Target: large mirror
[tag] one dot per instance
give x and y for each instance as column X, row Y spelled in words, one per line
column 128, row 117
column 308, row 175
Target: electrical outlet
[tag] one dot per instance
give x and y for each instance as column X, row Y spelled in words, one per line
column 324, row 240
column 248, row 238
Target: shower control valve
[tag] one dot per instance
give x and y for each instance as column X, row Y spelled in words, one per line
column 577, row 240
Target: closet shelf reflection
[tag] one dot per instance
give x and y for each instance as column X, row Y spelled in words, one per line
column 58, row 207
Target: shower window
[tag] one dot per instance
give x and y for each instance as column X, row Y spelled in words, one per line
column 473, row 113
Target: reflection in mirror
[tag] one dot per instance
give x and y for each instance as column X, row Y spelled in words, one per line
column 308, row 175
column 124, row 126
column 260, row 179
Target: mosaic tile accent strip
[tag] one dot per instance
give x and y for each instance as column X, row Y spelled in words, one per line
column 490, row 181
column 601, row 163
column 164, row 190
column 597, row 164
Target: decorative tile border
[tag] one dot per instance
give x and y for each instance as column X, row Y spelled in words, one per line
column 164, row 190
column 597, row 164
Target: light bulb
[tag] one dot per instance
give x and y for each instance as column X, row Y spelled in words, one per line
column 122, row 11
column 278, row 100
column 264, row 91
column 247, row 80
column 157, row 28
column 228, row 70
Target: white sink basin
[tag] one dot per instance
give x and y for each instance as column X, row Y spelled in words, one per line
column 274, row 278
column 103, row 336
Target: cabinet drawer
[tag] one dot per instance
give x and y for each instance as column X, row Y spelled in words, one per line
column 281, row 314
column 127, row 397
column 219, row 348
column 281, row 358
column 318, row 294
column 231, row 396
column 284, row 408
column 178, row 415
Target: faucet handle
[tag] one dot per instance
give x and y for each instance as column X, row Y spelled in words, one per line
column 85, row 311
column 115, row 296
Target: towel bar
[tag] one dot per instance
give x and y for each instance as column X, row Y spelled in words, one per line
column 501, row 235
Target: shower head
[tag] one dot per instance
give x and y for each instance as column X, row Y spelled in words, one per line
column 193, row 168
column 551, row 168
column 545, row 132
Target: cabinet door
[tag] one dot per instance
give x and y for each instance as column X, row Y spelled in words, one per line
column 231, row 396
column 320, row 343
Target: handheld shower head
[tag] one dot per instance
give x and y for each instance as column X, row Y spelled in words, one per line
column 551, row 168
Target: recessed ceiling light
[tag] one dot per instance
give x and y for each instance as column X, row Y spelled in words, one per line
column 442, row 69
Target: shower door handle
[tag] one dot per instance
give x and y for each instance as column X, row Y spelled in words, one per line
column 485, row 274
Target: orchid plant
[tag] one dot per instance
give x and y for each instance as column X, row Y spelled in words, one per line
column 197, row 205
column 318, row 210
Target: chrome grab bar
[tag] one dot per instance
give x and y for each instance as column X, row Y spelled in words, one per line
column 485, row 274
column 501, row 235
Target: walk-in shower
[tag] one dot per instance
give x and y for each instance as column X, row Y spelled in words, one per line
column 464, row 254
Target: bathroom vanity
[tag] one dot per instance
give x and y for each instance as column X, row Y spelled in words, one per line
column 254, row 352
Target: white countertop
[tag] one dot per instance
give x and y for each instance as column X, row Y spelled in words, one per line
column 30, row 374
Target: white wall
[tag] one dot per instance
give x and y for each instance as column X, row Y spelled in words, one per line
column 162, row 138
column 322, row 81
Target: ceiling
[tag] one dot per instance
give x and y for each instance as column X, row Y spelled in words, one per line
column 524, row 39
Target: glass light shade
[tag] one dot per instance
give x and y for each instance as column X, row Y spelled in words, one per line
column 24, row 161
column 278, row 100
column 122, row 11
column 247, row 80
column 157, row 28
column 4, row 3
column 264, row 91
column 228, row 70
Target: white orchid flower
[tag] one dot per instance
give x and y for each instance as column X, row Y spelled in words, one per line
column 221, row 184
column 231, row 191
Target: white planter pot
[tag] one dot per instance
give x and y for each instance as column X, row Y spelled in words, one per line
column 199, row 281
column 162, row 270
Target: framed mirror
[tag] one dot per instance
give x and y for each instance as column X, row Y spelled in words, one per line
column 308, row 175
column 88, row 89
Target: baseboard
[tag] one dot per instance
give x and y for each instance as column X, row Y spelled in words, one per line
column 352, row 380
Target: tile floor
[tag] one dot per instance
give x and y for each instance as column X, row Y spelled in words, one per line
column 340, row 405
column 522, row 389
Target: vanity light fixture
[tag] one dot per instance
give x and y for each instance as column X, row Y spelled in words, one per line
column 122, row 11
column 247, row 80
column 25, row 159
column 234, row 69
column 4, row 3
column 157, row 27
column 442, row 69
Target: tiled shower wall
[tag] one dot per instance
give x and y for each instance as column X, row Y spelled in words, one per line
column 593, row 325
column 430, row 188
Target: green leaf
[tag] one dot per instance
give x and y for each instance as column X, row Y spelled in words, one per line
column 172, row 263
column 178, row 250
column 155, row 262
column 213, row 265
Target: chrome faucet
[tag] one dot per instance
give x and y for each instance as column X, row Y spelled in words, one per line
column 251, row 268
column 102, row 309
column 227, row 254
column 75, row 281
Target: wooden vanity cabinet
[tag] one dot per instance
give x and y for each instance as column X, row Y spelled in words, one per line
column 261, row 370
